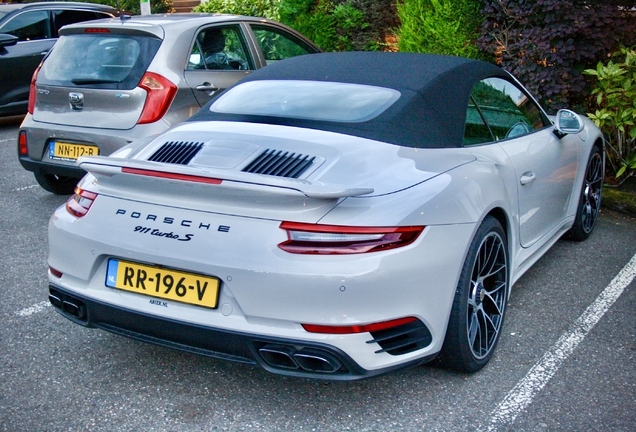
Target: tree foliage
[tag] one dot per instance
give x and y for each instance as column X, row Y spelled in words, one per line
column 440, row 27
column 615, row 114
column 258, row 8
column 548, row 43
column 132, row 6
column 330, row 24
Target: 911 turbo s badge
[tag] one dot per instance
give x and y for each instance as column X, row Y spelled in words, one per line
column 151, row 219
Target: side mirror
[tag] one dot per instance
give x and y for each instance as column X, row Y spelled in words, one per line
column 7, row 39
column 567, row 122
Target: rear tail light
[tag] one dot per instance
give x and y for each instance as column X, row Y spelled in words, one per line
column 161, row 92
column 79, row 204
column 334, row 239
column 366, row 328
column 32, row 92
column 22, row 144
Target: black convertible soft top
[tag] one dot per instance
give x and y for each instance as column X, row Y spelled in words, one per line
column 431, row 111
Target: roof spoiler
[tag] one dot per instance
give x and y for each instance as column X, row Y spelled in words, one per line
column 109, row 166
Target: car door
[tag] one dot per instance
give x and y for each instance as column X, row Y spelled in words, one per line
column 19, row 61
column 545, row 166
column 219, row 57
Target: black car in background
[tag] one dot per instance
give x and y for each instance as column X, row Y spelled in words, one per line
column 27, row 33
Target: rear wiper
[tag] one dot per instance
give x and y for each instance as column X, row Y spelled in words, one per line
column 80, row 81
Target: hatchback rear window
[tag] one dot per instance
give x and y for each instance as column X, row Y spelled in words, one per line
column 102, row 61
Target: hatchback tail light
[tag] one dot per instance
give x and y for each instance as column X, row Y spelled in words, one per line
column 161, row 92
column 32, row 92
column 334, row 239
column 80, row 203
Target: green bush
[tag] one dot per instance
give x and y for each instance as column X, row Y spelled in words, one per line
column 332, row 26
column 258, row 8
column 616, row 108
column 132, row 6
column 440, row 27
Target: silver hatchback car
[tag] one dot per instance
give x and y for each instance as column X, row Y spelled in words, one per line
column 109, row 82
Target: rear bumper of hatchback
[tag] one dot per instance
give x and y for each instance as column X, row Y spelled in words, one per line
column 297, row 358
column 39, row 135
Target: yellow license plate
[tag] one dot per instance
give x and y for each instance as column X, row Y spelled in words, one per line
column 163, row 283
column 67, row 151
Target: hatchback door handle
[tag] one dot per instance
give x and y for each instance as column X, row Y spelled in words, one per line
column 207, row 87
column 527, row 177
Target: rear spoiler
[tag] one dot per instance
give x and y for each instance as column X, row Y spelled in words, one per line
column 110, row 166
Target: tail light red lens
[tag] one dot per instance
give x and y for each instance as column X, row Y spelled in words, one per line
column 22, row 144
column 80, row 203
column 32, row 92
column 313, row 328
column 161, row 92
column 335, row 239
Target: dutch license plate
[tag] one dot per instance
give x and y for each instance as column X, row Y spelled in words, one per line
column 70, row 152
column 163, row 283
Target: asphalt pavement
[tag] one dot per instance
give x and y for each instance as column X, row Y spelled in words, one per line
column 566, row 360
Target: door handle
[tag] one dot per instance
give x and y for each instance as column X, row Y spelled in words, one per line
column 207, row 87
column 527, row 178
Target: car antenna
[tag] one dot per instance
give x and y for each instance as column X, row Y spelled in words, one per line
column 123, row 15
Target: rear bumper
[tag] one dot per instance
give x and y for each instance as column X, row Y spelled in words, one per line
column 48, row 168
column 282, row 356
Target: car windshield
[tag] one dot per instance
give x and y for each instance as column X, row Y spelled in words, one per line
column 97, row 59
column 314, row 100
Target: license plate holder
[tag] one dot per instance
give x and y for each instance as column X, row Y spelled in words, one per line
column 66, row 151
column 164, row 283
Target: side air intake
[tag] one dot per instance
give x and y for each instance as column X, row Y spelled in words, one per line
column 174, row 152
column 281, row 164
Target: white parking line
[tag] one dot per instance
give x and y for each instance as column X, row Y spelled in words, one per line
column 33, row 309
column 524, row 392
column 24, row 188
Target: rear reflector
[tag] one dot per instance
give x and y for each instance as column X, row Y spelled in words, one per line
column 172, row 176
column 80, row 203
column 334, row 239
column 312, row 328
column 22, row 144
column 54, row 272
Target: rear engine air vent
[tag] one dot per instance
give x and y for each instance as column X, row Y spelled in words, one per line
column 402, row 339
column 281, row 164
column 176, row 152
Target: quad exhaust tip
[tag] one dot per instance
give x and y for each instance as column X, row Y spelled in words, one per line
column 307, row 359
column 68, row 305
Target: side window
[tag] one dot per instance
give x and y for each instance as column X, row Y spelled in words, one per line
column 507, row 111
column 220, row 48
column 64, row 17
column 29, row 26
column 476, row 131
column 277, row 44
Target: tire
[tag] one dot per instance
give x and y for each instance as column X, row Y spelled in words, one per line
column 59, row 185
column 590, row 198
column 477, row 315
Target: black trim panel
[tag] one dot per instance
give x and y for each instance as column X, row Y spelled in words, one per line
column 207, row 341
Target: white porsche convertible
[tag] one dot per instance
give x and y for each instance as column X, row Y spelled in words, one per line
column 332, row 216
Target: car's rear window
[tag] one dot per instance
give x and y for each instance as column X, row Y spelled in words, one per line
column 313, row 100
column 102, row 61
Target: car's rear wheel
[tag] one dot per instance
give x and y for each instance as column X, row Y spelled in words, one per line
column 590, row 198
column 58, row 185
column 477, row 314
